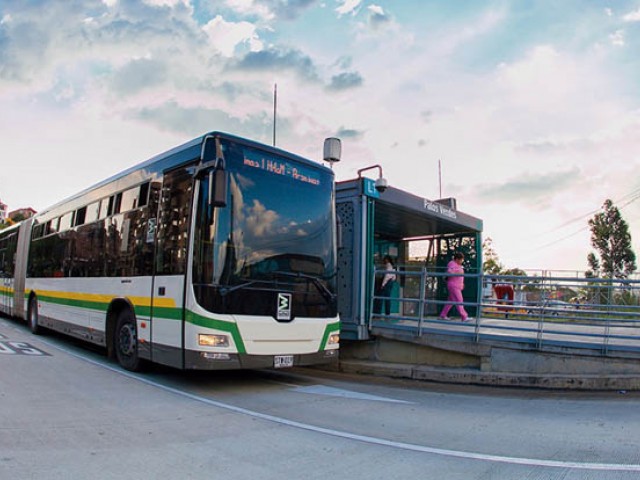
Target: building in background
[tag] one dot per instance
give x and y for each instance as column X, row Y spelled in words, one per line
column 22, row 214
column 3, row 212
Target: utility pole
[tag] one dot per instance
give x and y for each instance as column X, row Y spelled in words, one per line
column 440, row 177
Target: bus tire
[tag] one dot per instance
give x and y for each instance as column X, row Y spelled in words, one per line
column 32, row 316
column 125, row 342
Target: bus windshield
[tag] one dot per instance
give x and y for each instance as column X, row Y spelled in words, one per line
column 274, row 235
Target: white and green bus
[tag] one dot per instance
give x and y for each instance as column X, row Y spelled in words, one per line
column 218, row 254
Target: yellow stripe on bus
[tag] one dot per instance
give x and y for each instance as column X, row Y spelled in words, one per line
column 101, row 298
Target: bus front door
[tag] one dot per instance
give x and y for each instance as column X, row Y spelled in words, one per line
column 172, row 240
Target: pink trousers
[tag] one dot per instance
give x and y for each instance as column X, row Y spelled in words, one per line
column 455, row 296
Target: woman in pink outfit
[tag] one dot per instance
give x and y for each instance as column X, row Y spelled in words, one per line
column 455, row 285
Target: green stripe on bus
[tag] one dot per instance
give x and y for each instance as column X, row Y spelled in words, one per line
column 73, row 303
column 165, row 313
column 140, row 310
column 331, row 328
column 228, row 327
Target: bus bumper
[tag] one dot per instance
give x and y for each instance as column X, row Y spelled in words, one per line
column 212, row 361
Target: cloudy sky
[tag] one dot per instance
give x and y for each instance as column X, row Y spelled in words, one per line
column 532, row 107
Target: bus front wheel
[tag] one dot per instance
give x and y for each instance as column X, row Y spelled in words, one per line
column 126, row 342
column 32, row 316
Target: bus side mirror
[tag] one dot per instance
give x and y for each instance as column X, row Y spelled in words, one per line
column 218, row 180
column 218, row 177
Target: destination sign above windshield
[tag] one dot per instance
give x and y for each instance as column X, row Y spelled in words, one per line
column 279, row 166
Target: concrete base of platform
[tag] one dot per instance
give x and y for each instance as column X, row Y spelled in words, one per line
column 461, row 361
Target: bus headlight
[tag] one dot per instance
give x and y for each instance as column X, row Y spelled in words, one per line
column 212, row 340
column 334, row 339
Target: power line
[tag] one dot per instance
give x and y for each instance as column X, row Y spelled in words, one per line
column 634, row 194
column 635, row 197
column 562, row 238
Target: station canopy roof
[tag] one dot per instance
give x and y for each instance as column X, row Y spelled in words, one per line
column 400, row 214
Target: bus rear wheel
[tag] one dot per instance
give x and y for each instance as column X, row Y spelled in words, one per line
column 32, row 316
column 126, row 342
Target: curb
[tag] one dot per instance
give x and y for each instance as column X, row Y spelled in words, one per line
column 499, row 379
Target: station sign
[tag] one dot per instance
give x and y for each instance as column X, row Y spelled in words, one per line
column 435, row 207
column 369, row 188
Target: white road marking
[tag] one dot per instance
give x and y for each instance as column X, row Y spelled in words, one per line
column 339, row 392
column 536, row 462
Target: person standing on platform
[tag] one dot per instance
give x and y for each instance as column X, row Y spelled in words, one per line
column 455, row 285
column 388, row 281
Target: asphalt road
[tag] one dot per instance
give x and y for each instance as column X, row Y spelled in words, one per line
column 66, row 412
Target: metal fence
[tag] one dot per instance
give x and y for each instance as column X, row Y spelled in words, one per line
column 594, row 313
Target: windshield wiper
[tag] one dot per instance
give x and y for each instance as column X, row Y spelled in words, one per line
column 328, row 295
column 224, row 291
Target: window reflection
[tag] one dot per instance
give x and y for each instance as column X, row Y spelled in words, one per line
column 273, row 224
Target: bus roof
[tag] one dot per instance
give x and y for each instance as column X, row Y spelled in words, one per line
column 179, row 155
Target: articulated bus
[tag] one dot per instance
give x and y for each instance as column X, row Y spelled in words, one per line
column 218, row 254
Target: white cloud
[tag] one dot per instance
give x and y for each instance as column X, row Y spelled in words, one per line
column 617, row 38
column 166, row 3
column 250, row 7
column 632, row 16
column 348, row 7
column 547, row 89
column 226, row 37
column 377, row 9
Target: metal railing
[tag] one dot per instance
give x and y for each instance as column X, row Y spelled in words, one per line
column 579, row 312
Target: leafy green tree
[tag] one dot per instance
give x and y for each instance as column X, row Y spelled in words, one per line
column 7, row 223
column 610, row 237
column 515, row 272
column 490, row 262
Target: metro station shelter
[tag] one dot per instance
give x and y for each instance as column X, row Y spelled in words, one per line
column 372, row 224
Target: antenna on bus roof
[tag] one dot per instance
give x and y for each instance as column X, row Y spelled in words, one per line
column 275, row 107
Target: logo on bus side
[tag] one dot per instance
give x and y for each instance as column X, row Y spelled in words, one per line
column 284, row 306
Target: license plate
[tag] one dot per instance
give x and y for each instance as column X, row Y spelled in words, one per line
column 283, row 361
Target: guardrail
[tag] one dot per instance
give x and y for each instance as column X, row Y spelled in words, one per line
column 594, row 313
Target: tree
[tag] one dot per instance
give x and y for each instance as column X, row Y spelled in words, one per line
column 7, row 223
column 515, row 272
column 611, row 239
column 490, row 262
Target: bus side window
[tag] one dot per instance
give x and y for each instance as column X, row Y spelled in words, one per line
column 81, row 214
column 110, row 205
column 117, row 203
column 143, row 199
column 52, row 226
column 173, row 224
column 38, row 231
